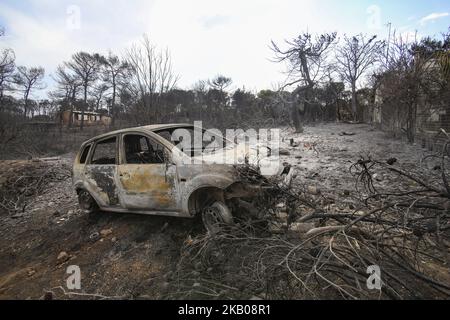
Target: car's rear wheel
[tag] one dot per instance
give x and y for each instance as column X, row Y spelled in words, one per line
column 87, row 202
column 215, row 216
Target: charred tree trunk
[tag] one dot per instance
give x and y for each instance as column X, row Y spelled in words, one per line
column 113, row 106
column 83, row 108
column 354, row 103
column 296, row 117
column 72, row 102
column 25, row 105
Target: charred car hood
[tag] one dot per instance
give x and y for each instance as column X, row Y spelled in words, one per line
column 242, row 154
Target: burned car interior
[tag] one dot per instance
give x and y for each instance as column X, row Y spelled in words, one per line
column 140, row 150
column 210, row 142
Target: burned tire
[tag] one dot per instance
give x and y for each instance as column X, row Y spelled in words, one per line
column 86, row 202
column 215, row 216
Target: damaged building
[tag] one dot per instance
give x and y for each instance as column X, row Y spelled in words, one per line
column 74, row 118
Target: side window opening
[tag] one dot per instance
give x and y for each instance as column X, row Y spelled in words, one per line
column 144, row 143
column 84, row 154
column 211, row 142
column 159, row 153
column 141, row 150
column 105, row 152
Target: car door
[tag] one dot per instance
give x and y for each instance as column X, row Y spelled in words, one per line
column 146, row 176
column 101, row 170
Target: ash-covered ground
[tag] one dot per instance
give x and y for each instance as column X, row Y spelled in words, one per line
column 134, row 256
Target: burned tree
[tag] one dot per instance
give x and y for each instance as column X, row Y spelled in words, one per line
column 26, row 80
column 151, row 76
column 354, row 58
column 67, row 89
column 86, row 67
column 220, row 82
column 114, row 71
column 413, row 80
column 306, row 59
column 7, row 67
column 98, row 94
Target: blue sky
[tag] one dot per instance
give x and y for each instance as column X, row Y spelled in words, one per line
column 205, row 37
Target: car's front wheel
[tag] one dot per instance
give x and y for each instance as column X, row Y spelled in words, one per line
column 87, row 202
column 215, row 216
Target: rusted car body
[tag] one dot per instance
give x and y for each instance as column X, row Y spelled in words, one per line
column 139, row 170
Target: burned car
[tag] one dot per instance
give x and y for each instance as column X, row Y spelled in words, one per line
column 155, row 170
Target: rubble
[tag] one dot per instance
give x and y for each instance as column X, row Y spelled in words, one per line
column 301, row 227
column 62, row 257
column 313, row 190
column 106, row 232
column 337, row 241
column 21, row 181
column 343, row 133
column 94, row 236
column 31, row 272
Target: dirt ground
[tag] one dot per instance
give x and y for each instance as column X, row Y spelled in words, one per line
column 132, row 256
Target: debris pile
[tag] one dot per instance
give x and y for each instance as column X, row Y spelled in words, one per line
column 393, row 244
column 21, row 181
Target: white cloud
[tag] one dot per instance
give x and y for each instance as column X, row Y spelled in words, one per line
column 432, row 17
column 205, row 37
column 41, row 36
column 215, row 20
column 228, row 37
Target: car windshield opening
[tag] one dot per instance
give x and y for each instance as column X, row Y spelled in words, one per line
column 183, row 139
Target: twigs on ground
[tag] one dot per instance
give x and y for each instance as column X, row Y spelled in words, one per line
column 401, row 226
column 81, row 295
column 23, row 180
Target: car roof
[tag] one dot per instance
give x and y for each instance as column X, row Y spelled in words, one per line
column 152, row 128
